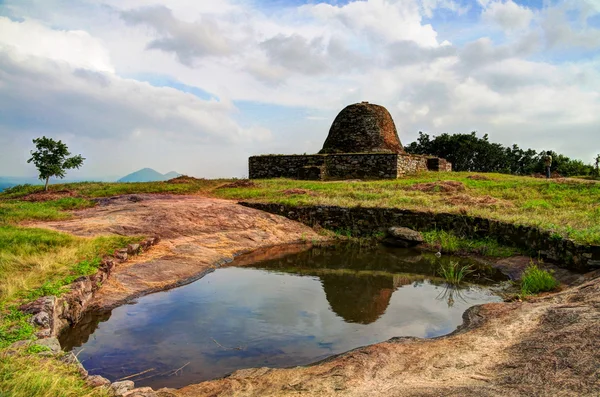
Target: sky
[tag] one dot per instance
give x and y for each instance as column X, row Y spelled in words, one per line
column 198, row 86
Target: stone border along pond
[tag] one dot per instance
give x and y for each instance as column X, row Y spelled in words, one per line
column 53, row 314
column 363, row 221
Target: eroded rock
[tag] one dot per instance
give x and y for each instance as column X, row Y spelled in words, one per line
column 120, row 388
column 97, row 381
column 403, row 237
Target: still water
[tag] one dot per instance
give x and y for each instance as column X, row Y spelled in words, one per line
column 283, row 312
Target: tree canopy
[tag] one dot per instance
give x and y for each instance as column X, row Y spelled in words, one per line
column 468, row 152
column 51, row 159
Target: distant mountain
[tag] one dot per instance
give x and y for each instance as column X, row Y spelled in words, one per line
column 148, row 175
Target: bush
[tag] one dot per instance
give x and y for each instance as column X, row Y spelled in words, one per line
column 536, row 280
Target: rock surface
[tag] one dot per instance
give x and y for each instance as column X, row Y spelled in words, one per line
column 97, row 381
column 197, row 234
column 363, row 128
column 403, row 237
column 120, row 388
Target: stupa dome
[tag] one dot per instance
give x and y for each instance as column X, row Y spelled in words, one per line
column 363, row 128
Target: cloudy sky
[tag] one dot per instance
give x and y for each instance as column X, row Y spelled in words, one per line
column 197, row 86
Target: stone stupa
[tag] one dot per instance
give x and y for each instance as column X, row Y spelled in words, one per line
column 362, row 143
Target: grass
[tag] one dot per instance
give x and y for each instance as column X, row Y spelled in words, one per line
column 568, row 207
column 536, row 280
column 571, row 208
column 36, row 262
column 450, row 243
column 453, row 272
column 13, row 211
column 28, row 375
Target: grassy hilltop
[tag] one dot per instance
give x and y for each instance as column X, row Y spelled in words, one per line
column 569, row 207
column 38, row 262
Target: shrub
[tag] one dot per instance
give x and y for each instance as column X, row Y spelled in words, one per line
column 536, row 280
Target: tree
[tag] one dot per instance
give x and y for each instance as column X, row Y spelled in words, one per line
column 598, row 165
column 468, row 152
column 51, row 159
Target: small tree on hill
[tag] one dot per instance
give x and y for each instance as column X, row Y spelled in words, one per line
column 598, row 165
column 51, row 159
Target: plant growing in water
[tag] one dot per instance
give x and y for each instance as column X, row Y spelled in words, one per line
column 537, row 280
column 453, row 272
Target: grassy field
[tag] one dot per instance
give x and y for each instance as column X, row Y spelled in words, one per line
column 569, row 207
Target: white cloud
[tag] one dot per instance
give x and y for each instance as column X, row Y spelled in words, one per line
column 319, row 57
column 508, row 15
column 387, row 20
column 76, row 47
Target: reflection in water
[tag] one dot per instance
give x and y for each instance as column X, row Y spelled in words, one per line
column 291, row 311
column 358, row 299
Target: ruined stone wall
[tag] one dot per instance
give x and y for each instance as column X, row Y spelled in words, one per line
column 361, row 166
column 410, row 164
column 438, row 164
column 275, row 166
column 367, row 221
column 338, row 166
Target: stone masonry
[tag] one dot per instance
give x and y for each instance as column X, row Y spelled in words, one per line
column 362, row 144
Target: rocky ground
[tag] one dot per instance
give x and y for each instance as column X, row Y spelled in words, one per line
column 197, row 234
column 547, row 346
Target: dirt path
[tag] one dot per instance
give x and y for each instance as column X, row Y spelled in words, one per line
column 197, row 234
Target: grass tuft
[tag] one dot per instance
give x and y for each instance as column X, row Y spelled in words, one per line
column 536, row 280
column 454, row 273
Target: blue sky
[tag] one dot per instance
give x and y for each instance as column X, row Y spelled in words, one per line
column 198, row 87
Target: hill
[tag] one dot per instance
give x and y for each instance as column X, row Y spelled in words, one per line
column 148, row 175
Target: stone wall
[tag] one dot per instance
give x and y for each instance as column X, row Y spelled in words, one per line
column 367, row 221
column 338, row 166
column 361, row 166
column 275, row 166
column 438, row 164
column 410, row 164
column 53, row 314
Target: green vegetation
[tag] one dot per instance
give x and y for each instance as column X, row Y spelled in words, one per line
column 37, row 262
column 568, row 207
column 28, row 375
column 12, row 211
column 450, row 243
column 536, row 280
column 467, row 152
column 453, row 272
column 108, row 189
column 50, row 158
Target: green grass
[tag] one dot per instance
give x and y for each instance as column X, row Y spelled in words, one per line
column 450, row 243
column 108, row 189
column 453, row 272
column 13, row 211
column 536, row 280
column 570, row 208
column 26, row 374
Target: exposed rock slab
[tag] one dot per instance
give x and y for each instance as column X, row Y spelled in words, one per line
column 197, row 234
